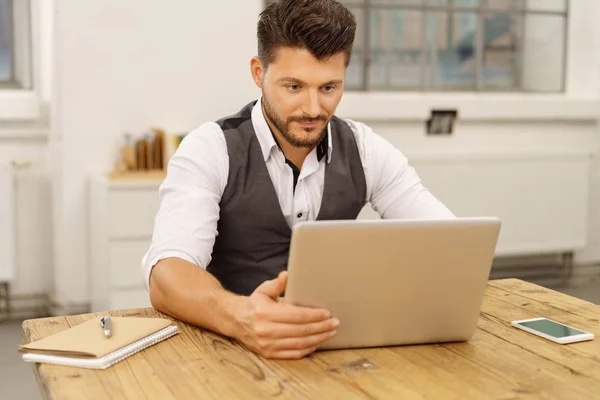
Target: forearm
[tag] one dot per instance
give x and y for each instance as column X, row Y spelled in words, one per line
column 190, row 294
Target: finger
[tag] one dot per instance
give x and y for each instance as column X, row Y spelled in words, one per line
column 290, row 314
column 292, row 354
column 273, row 288
column 302, row 343
column 280, row 331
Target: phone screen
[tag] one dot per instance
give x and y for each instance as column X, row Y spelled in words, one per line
column 551, row 328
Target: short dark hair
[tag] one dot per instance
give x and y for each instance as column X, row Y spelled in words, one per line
column 323, row 27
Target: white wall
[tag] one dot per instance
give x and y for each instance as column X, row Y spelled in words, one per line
column 126, row 66
column 543, row 48
column 518, row 137
column 45, row 10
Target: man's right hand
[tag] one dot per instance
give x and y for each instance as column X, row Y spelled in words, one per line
column 278, row 330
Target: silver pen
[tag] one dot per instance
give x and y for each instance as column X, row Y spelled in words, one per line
column 105, row 323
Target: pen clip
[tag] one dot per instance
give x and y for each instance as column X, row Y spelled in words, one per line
column 105, row 323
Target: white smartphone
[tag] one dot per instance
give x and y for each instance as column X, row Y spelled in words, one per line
column 552, row 330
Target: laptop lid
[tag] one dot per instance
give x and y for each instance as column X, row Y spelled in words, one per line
column 393, row 282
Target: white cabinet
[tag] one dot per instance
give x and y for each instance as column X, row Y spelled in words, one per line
column 121, row 221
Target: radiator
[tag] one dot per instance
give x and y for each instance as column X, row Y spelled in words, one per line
column 540, row 196
column 7, row 223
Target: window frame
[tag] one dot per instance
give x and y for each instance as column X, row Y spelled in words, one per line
column 367, row 7
column 27, row 100
column 20, row 46
column 10, row 83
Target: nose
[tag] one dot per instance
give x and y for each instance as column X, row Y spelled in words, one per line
column 312, row 107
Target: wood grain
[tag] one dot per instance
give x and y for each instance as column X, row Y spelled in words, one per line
column 499, row 362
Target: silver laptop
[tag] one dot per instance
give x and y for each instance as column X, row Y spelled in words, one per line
column 393, row 282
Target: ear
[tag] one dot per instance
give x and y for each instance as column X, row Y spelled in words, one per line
column 257, row 71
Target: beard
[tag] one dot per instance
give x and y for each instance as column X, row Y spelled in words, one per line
column 285, row 129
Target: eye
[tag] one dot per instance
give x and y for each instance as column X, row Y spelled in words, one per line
column 294, row 88
column 328, row 88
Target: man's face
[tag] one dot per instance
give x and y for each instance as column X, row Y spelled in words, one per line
column 300, row 93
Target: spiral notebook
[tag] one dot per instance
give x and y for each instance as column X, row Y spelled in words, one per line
column 86, row 346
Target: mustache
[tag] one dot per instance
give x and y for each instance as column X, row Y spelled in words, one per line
column 308, row 119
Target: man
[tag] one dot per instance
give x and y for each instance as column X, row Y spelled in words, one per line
column 235, row 187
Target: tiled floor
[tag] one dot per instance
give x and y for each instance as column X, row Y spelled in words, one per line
column 16, row 377
column 590, row 293
column 17, row 380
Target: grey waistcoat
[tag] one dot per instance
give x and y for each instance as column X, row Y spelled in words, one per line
column 253, row 238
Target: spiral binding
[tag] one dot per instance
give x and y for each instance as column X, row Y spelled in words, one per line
column 136, row 347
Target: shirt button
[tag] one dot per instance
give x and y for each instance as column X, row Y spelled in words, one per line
column 299, row 215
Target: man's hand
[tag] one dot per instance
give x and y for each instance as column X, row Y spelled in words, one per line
column 279, row 330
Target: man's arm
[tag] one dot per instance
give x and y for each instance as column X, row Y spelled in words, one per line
column 190, row 294
column 260, row 321
column 185, row 225
column 184, row 235
column 395, row 189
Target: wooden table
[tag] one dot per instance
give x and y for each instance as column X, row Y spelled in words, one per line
column 500, row 362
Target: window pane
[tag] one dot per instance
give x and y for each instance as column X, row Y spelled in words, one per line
column 501, row 53
column 353, row 3
column 451, row 50
column 396, row 49
column 440, row 2
column 398, row 2
column 463, row 3
column 505, row 5
column 5, row 40
column 558, row 6
column 354, row 73
column 543, row 53
column 546, row 5
column 350, row 3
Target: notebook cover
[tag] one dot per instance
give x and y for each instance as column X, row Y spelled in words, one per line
column 87, row 339
column 107, row 360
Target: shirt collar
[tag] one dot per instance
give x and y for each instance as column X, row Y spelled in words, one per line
column 267, row 141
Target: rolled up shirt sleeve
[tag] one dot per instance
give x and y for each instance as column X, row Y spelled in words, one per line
column 185, row 225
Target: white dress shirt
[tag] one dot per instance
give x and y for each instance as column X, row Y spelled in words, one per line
column 186, row 223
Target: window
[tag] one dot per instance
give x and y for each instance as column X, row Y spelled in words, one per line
column 15, row 45
column 6, row 43
column 6, row 47
column 459, row 45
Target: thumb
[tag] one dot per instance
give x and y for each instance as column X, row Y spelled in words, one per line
column 274, row 287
